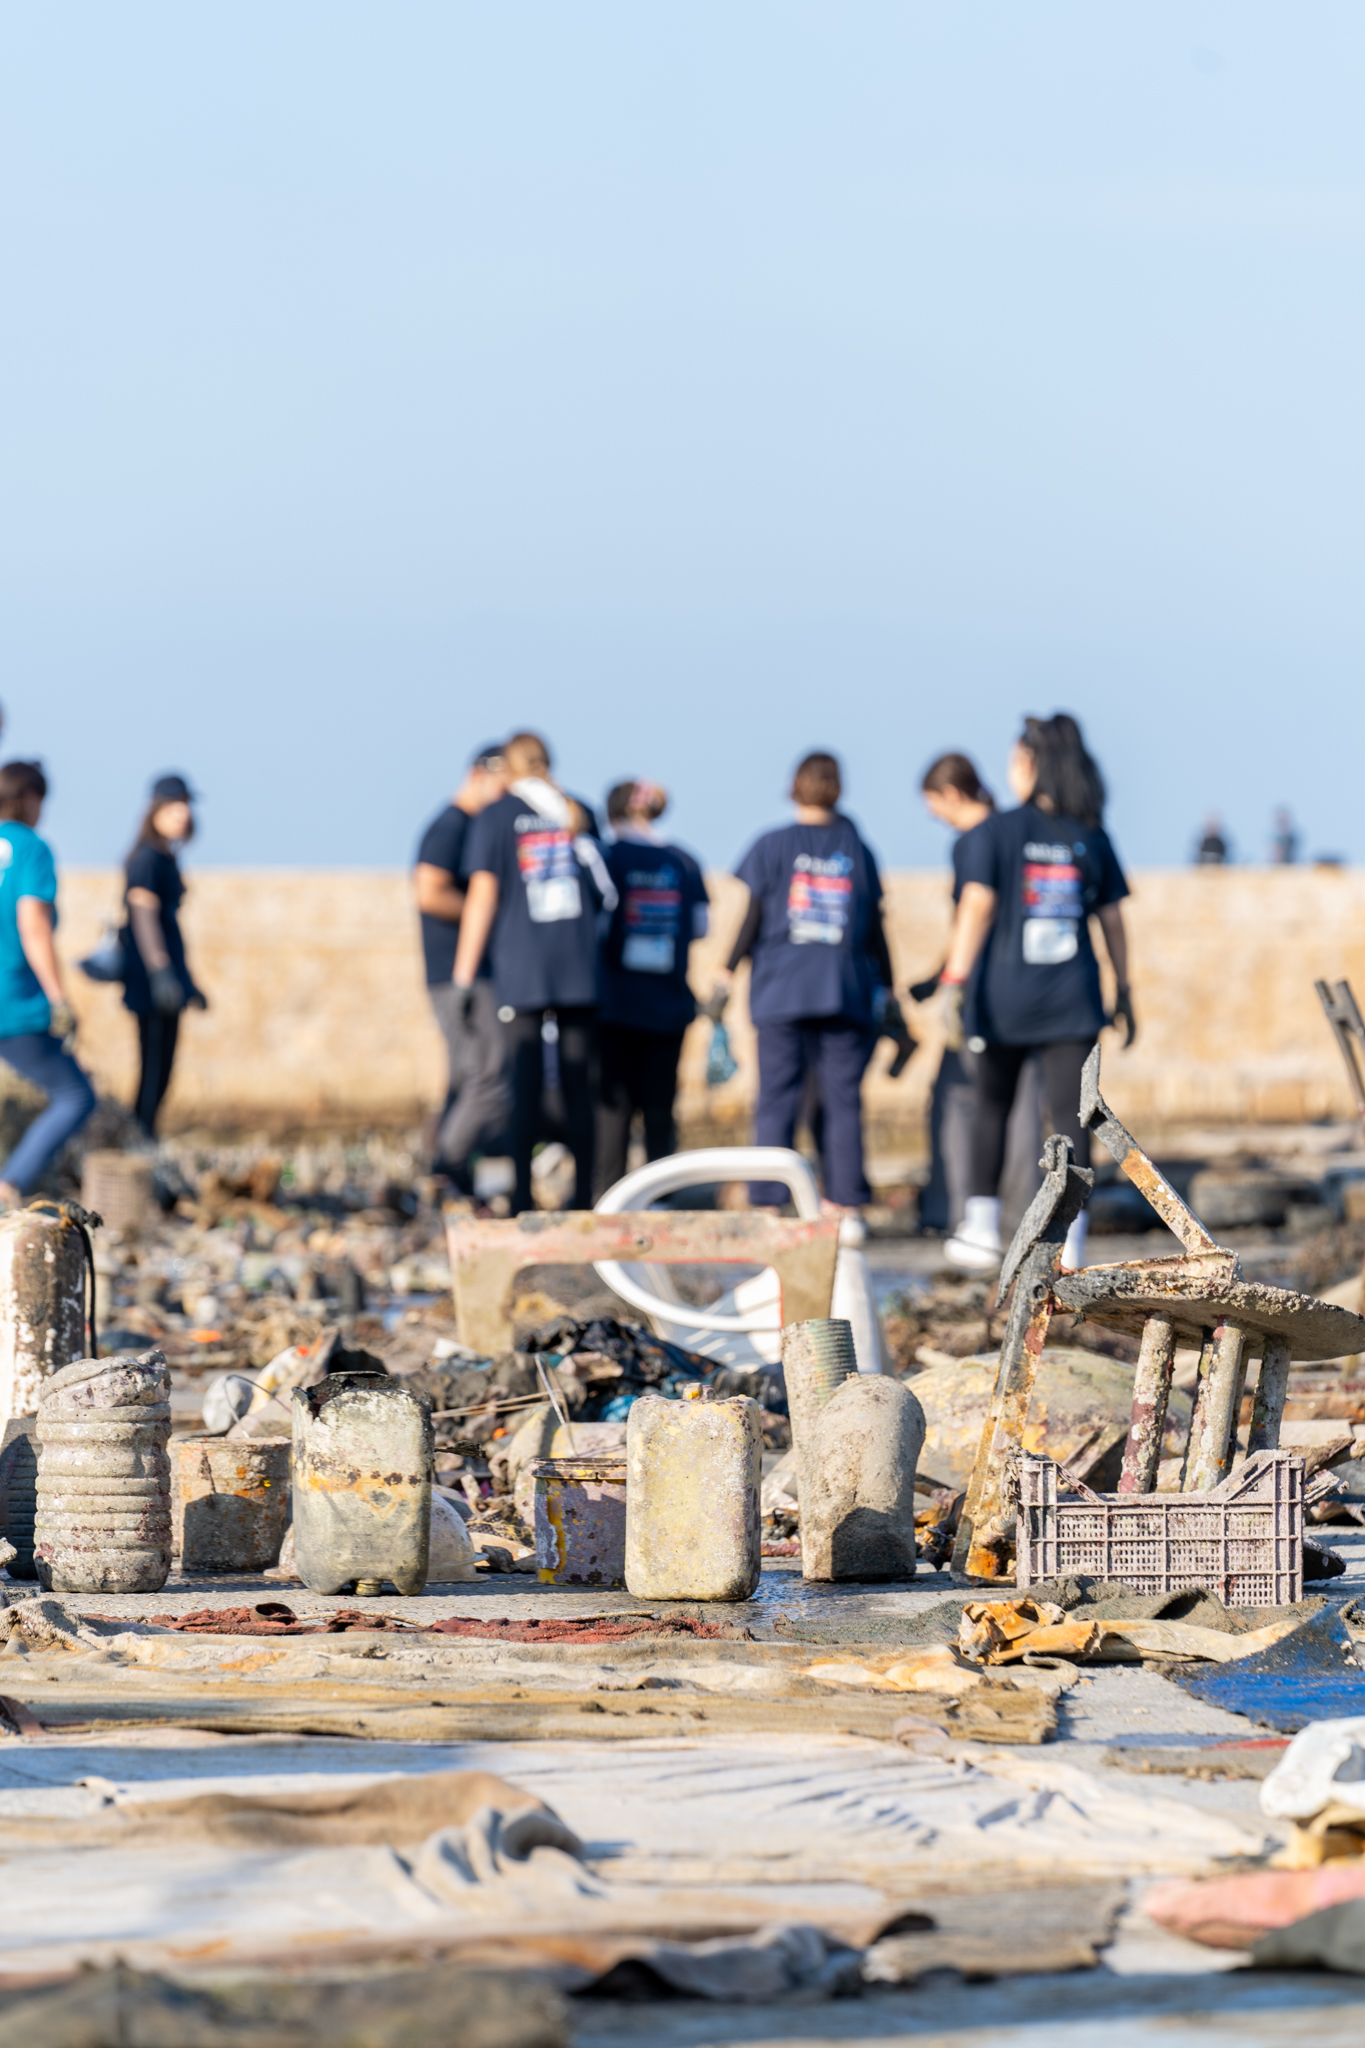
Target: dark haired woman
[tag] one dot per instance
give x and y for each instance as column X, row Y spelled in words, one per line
column 821, row 971
column 156, row 980
column 1031, row 879
column 537, row 881
column 36, row 1024
column 646, row 1002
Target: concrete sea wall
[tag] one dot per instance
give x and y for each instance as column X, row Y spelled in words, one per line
column 319, row 1014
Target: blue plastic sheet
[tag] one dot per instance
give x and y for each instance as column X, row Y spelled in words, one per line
column 1309, row 1675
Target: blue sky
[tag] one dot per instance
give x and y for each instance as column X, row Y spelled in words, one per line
column 701, row 383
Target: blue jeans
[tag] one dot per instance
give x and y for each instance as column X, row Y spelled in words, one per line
column 836, row 1050
column 38, row 1056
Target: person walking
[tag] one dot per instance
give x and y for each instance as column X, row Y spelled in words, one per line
column 157, row 984
column 476, row 1100
column 537, row 882
column 1031, row 879
column 37, row 1026
column 955, row 794
column 821, row 980
column 646, row 1002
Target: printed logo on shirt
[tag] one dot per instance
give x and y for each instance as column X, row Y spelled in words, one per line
column 1053, row 904
column 819, row 900
column 6, row 853
column 652, row 914
column 545, row 861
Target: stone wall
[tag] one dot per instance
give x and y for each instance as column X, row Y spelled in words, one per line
column 319, row 1015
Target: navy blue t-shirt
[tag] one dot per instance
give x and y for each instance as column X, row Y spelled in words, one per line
column 644, row 955
column 150, row 867
column 443, row 846
column 1039, row 981
column 544, row 943
column 817, row 887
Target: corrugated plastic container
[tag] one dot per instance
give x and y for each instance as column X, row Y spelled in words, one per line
column 1243, row 1540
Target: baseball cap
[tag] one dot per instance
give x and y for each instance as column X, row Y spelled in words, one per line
column 487, row 757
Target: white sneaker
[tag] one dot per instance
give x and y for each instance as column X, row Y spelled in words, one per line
column 974, row 1246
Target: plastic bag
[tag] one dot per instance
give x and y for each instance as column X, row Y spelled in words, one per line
column 721, row 1064
column 106, row 962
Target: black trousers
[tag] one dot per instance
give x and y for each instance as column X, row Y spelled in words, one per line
column 639, row 1071
column 997, row 1076
column 156, row 1037
column 578, row 1084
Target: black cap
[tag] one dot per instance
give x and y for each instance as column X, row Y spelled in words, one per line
column 484, row 757
column 172, row 789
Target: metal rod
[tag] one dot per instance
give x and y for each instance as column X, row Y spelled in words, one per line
column 1151, row 1393
column 1209, row 1456
column 1268, row 1409
column 978, row 1551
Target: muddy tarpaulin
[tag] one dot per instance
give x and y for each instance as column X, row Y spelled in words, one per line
column 1309, row 1675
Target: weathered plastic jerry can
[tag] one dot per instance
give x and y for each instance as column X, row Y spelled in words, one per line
column 580, row 1521
column 43, row 1267
column 692, row 1499
column 103, row 1521
column 360, row 1477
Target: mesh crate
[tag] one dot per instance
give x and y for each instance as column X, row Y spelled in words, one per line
column 1243, row 1540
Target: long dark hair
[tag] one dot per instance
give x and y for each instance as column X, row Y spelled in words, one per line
column 1068, row 776
column 147, row 834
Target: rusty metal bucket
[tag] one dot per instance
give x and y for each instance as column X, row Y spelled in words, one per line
column 360, row 1476
column 230, row 1502
column 580, row 1521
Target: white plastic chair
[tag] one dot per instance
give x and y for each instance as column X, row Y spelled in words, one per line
column 744, row 1326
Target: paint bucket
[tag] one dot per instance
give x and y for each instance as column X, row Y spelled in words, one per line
column 360, row 1478
column 692, row 1499
column 230, row 1505
column 580, row 1521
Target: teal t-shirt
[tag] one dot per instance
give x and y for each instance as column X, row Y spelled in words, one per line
column 26, row 869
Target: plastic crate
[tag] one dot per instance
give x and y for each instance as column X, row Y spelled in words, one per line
column 1243, row 1540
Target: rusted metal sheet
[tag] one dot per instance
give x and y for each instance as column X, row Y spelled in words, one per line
column 1096, row 1116
column 485, row 1257
column 360, row 1474
column 1122, row 1297
column 1151, row 1397
column 230, row 1503
column 580, row 1521
column 982, row 1550
column 1268, row 1408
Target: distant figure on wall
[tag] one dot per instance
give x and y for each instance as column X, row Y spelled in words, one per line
column 157, row 984
column 1284, row 840
column 1212, row 850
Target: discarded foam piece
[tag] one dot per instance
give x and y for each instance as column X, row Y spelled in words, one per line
column 360, row 1476
column 42, row 1302
column 230, row 1503
column 451, row 1558
column 103, row 1521
column 692, row 1483
column 580, row 1520
column 817, row 1357
column 858, row 1483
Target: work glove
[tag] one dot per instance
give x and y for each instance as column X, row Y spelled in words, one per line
column 714, row 1006
column 168, row 996
column 948, row 1007
column 62, row 1023
column 920, row 991
column 464, row 1004
column 891, row 1022
column 1123, row 1014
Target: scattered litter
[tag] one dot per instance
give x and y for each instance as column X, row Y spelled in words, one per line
column 1310, row 1674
